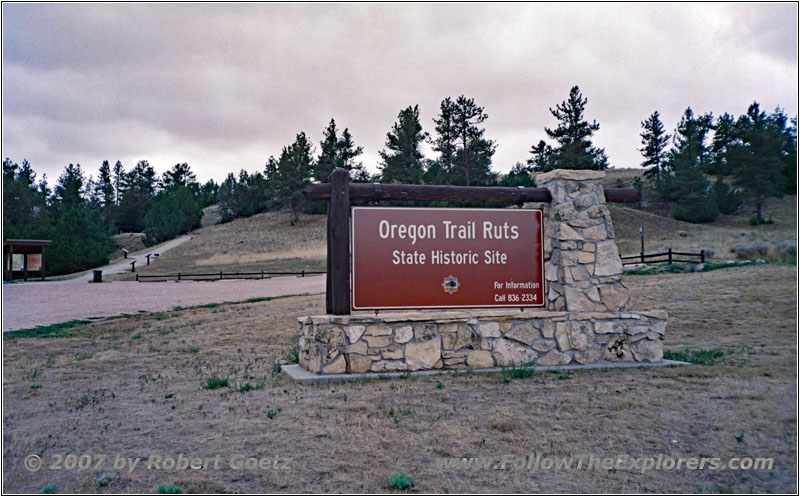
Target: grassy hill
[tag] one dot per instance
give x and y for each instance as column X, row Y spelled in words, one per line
column 270, row 242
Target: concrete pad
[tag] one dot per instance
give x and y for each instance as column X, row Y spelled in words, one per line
column 301, row 375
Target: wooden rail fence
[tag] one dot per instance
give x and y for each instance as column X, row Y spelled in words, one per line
column 221, row 275
column 669, row 257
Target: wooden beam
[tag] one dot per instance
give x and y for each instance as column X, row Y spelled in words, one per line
column 339, row 240
column 443, row 193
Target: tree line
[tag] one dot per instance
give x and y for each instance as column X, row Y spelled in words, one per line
column 756, row 153
column 80, row 214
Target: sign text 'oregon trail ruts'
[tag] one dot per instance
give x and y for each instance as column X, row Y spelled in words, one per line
column 437, row 258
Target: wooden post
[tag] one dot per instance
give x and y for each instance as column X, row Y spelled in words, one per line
column 25, row 266
column 10, row 266
column 703, row 255
column 133, row 266
column 669, row 255
column 148, row 259
column 641, row 236
column 42, row 262
column 220, row 275
column 339, row 243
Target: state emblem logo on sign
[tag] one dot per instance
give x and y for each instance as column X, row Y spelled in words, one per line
column 450, row 284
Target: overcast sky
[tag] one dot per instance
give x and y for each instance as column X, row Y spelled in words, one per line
column 224, row 86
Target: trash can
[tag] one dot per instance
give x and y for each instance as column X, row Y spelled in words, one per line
column 98, row 276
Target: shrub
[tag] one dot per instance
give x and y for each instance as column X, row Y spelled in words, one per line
column 749, row 250
column 786, row 249
column 696, row 209
column 169, row 489
column 215, row 381
column 401, row 481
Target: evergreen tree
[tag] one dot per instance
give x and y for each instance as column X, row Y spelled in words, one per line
column 654, row 142
column 180, row 175
column 403, row 163
column 573, row 135
column 724, row 138
column 25, row 213
column 80, row 241
column 171, row 213
column 328, row 155
column 682, row 179
column 208, row 194
column 295, row 167
column 728, row 200
column 139, row 188
column 476, row 163
column 756, row 158
column 474, row 150
column 69, row 189
column 119, row 180
column 347, row 152
column 519, row 175
column 543, row 157
column 104, row 190
column 445, row 144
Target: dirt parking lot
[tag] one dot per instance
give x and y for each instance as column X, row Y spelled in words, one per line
column 141, row 386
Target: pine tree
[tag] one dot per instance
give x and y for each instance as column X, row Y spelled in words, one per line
column 574, row 134
column 104, row 189
column 756, row 158
column 347, row 153
column 119, row 179
column 543, row 157
column 519, row 175
column 445, row 143
column 403, row 162
column 682, row 179
column 724, row 138
column 295, row 167
column 69, row 189
column 180, row 175
column 654, row 142
column 328, row 155
column 474, row 149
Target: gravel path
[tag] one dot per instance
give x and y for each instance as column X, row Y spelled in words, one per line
column 26, row 305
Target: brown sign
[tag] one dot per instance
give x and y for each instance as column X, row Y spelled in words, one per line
column 412, row 258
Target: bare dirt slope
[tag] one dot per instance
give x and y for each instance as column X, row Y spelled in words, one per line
column 134, row 387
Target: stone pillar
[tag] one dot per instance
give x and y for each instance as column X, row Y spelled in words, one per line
column 583, row 269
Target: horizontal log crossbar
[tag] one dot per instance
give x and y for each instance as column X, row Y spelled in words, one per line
column 376, row 192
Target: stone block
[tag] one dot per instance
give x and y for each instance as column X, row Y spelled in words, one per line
column 393, row 353
column 489, row 330
column 608, row 262
column 615, row 298
column 423, row 355
column 588, row 356
column 595, row 232
column 580, row 335
column 381, row 366
column 359, row 347
column 424, row 332
column 543, row 344
column 524, row 332
column 379, row 330
column 403, row 334
column 569, row 175
column 554, row 358
column 338, row 366
column 378, row 342
column 648, row 350
column 510, row 353
column 480, row 359
column 354, row 332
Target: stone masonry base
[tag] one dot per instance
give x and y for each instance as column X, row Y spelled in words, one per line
column 477, row 339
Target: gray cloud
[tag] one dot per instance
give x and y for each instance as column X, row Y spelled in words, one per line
column 223, row 86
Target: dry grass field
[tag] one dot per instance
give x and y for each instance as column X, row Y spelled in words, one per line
column 137, row 386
